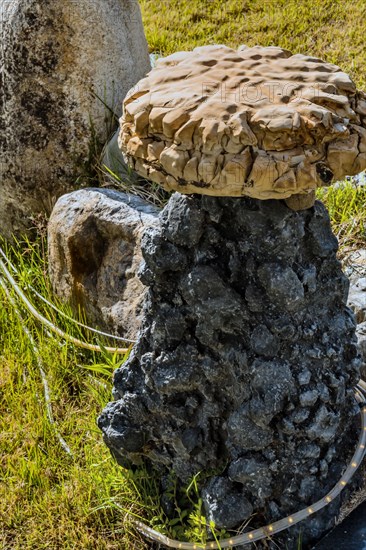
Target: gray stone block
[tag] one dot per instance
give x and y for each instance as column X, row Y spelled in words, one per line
column 94, row 254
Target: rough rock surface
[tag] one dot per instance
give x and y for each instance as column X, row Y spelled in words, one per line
column 357, row 302
column 356, row 267
column 255, row 121
column 356, row 270
column 361, row 338
column 245, row 361
column 57, row 56
column 357, row 298
column 94, row 255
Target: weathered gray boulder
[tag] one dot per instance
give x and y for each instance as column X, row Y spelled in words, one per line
column 358, row 300
column 357, row 294
column 64, row 67
column 245, row 362
column 356, row 270
column 94, row 254
column 361, row 336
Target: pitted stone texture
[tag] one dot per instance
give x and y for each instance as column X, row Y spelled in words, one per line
column 94, row 254
column 357, row 297
column 361, row 335
column 61, row 59
column 225, row 503
column 245, row 361
column 255, row 121
column 356, row 269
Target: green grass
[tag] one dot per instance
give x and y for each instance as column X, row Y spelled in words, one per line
column 333, row 30
column 48, row 499
column 346, row 204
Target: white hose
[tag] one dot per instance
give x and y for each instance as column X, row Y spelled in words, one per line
column 91, row 329
column 48, row 323
column 101, row 333
column 37, row 355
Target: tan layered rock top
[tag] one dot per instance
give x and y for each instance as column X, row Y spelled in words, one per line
column 255, row 121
